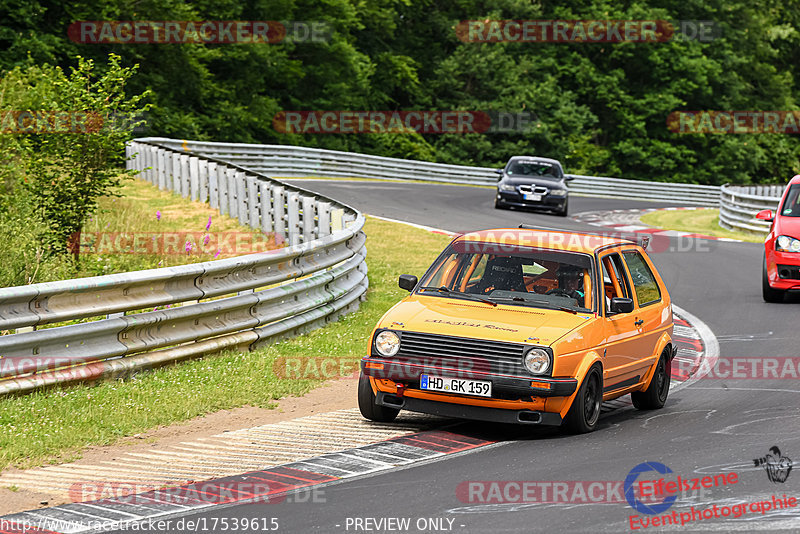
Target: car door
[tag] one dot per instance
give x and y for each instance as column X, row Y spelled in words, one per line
column 621, row 367
column 648, row 308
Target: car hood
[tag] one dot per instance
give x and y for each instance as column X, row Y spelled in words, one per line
column 534, row 180
column 788, row 226
column 465, row 318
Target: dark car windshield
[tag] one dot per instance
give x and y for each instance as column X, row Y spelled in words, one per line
column 513, row 275
column 791, row 206
column 533, row 169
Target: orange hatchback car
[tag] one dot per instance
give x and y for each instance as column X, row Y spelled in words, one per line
column 524, row 326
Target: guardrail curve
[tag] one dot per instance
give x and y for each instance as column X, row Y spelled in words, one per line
column 294, row 161
column 738, row 206
column 319, row 276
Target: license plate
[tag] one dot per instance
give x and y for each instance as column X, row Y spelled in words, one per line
column 535, row 198
column 455, row 385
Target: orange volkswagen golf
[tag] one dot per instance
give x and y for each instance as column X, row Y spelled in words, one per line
column 524, row 326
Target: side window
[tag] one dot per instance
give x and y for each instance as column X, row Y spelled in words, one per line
column 615, row 282
column 644, row 283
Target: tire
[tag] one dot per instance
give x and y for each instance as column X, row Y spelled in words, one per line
column 769, row 294
column 369, row 409
column 499, row 205
column 655, row 396
column 585, row 410
column 563, row 212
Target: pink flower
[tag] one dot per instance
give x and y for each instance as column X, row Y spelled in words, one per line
column 188, row 247
column 158, row 215
column 217, row 254
column 205, row 239
column 209, row 223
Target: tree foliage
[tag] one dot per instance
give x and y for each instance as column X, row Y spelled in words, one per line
column 601, row 107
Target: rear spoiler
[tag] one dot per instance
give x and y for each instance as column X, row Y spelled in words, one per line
column 640, row 239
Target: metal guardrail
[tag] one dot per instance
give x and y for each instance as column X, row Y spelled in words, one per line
column 294, row 161
column 738, row 206
column 321, row 275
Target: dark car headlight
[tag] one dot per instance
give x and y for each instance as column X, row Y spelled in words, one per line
column 506, row 187
column 558, row 192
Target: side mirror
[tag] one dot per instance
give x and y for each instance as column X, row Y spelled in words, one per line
column 568, row 177
column 407, row 282
column 499, row 171
column 765, row 215
column 621, row 305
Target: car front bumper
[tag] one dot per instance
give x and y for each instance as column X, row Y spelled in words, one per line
column 513, row 198
column 465, row 411
column 783, row 270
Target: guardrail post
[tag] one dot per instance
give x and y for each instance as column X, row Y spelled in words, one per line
column 232, row 192
column 203, row 177
column 279, row 211
column 293, row 209
column 337, row 220
column 222, row 184
column 175, row 183
column 213, row 191
column 161, row 157
column 194, row 178
column 309, row 219
column 323, row 219
column 265, row 196
column 185, row 184
column 241, row 198
column 253, row 204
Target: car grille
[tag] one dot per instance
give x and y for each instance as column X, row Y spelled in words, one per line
column 464, row 354
column 533, row 189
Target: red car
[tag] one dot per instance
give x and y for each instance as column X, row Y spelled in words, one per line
column 781, row 272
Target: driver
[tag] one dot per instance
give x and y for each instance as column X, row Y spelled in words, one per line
column 570, row 282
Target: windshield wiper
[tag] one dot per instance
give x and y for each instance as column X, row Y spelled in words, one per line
column 542, row 303
column 447, row 291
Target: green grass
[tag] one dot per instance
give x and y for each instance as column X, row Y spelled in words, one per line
column 702, row 221
column 53, row 426
column 135, row 213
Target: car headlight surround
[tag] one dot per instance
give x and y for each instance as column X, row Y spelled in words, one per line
column 785, row 243
column 558, row 192
column 506, row 187
column 387, row 343
column 537, row 361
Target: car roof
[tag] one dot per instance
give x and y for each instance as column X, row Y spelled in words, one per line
column 547, row 239
column 537, row 158
column 795, row 180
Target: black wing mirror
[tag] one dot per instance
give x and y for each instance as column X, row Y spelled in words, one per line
column 621, row 305
column 568, row 177
column 407, row 282
column 499, row 171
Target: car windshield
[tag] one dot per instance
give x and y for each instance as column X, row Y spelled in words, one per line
column 533, row 168
column 513, row 275
column 791, row 206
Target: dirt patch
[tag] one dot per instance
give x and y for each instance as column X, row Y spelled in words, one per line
column 333, row 395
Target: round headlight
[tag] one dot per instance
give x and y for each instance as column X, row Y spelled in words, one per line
column 387, row 343
column 784, row 242
column 537, row 361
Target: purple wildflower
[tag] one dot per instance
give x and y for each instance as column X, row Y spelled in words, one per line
column 217, row 254
column 209, row 223
column 158, row 215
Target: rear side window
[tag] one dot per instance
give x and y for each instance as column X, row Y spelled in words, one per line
column 644, row 283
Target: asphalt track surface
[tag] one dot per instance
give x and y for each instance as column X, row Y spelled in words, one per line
column 713, row 426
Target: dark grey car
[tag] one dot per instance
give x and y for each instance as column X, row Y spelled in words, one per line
column 531, row 182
